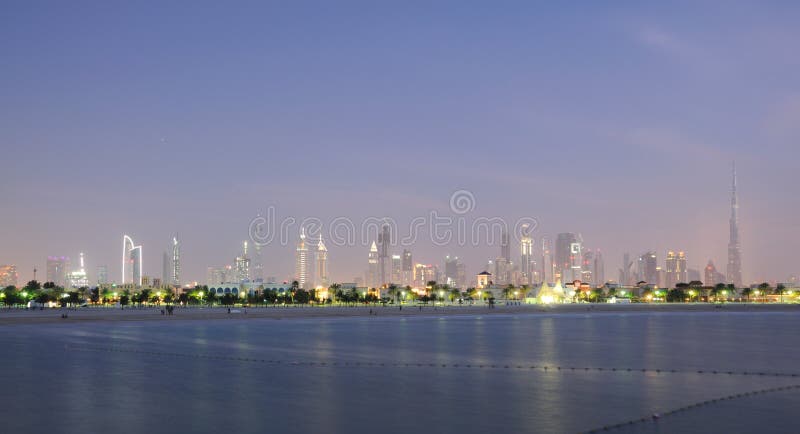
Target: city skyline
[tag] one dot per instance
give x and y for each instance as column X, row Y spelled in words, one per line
column 617, row 123
column 571, row 261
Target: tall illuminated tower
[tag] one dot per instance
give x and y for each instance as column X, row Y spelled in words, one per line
column 734, row 247
column 131, row 262
column 176, row 261
column 242, row 265
column 526, row 252
column 321, row 274
column 568, row 257
column 301, row 260
column 505, row 247
column 384, row 239
column 372, row 266
column 547, row 261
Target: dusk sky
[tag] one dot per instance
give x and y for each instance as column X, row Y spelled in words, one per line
column 619, row 121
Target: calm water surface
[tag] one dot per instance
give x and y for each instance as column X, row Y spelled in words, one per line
column 64, row 378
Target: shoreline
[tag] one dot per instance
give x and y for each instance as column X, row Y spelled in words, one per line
column 111, row 314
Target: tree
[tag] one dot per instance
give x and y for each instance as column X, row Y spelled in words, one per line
column 393, row 292
column 780, row 290
column 508, row 290
column 42, row 297
column 746, row 291
column 228, row 299
column 333, row 292
column 676, row 295
column 454, row 294
column 74, row 298
column 183, row 298
column 95, row 295
column 302, row 296
column 764, row 289
column 32, row 286
column 524, row 290
column 10, row 296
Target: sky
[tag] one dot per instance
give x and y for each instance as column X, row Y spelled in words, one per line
column 616, row 120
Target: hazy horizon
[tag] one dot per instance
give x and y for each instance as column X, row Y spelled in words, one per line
column 619, row 122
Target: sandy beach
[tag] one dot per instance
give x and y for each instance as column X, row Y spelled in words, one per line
column 23, row 316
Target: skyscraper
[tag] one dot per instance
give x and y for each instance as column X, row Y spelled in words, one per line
column 676, row 269
column 712, row 276
column 671, row 269
column 526, row 254
column 587, row 267
column 321, row 273
column 166, row 267
column 451, row 270
column 547, row 261
column 397, row 269
column 505, row 246
column 384, row 240
column 102, row 275
column 682, row 269
column 301, row 260
column 626, row 273
column 408, row 268
column 734, row 247
column 175, row 278
column 568, row 261
column 599, row 269
column 373, row 273
column 242, row 265
column 78, row 278
column 258, row 264
column 131, row 262
column 57, row 270
column 8, row 275
column 647, row 268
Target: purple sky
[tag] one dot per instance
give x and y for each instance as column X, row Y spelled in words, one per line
column 619, row 122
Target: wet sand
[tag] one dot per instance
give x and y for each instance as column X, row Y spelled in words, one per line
column 23, row 316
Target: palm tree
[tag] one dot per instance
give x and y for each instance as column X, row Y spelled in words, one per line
column 746, row 291
column 508, row 290
column 454, row 294
column 523, row 290
column 393, row 291
column 780, row 289
column 333, row 292
column 764, row 289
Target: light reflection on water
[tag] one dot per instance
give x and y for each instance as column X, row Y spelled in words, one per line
column 43, row 367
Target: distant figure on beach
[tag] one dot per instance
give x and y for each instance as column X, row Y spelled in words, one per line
column 229, row 310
